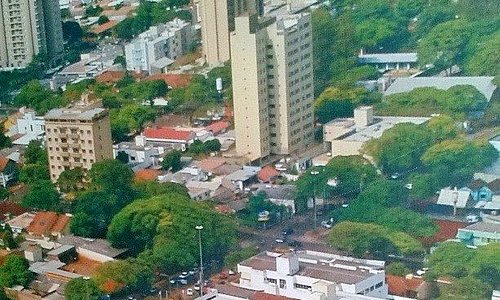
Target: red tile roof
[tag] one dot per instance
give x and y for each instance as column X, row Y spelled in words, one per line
column 104, row 27
column 115, row 76
column 210, row 164
column 264, row 296
column 446, row 230
column 3, row 163
column 401, row 286
column 10, row 208
column 267, row 174
column 168, row 133
column 172, row 80
column 146, row 175
column 218, row 127
column 46, row 223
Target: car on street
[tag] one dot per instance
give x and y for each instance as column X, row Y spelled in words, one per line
column 189, row 292
column 327, row 224
column 280, row 240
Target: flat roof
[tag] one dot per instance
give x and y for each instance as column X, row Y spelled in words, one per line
column 484, row 227
column 76, row 112
column 100, row 246
column 374, row 130
column 382, row 58
column 322, row 266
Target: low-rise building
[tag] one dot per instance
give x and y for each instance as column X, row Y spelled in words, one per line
column 279, row 194
column 21, row 222
column 346, row 136
column 240, row 180
column 157, row 48
column 389, row 61
column 48, row 224
column 456, row 199
column 178, row 138
column 28, row 127
column 8, row 171
column 479, row 234
column 308, row 275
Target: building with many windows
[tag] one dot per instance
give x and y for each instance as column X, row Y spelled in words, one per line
column 157, row 48
column 77, row 136
column 272, row 71
column 29, row 28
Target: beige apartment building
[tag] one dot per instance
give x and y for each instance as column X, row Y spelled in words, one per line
column 77, row 136
column 273, row 87
column 27, row 28
column 217, row 21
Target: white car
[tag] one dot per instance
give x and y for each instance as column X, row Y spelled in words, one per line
column 189, row 292
column 472, row 218
column 327, row 224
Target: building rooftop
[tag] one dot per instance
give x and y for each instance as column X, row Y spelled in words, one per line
column 10, row 209
column 319, row 265
column 484, row 227
column 45, row 223
column 452, row 197
column 484, row 84
column 382, row 58
column 76, row 112
column 21, row 221
column 168, row 133
column 285, row 191
column 100, row 246
column 267, row 174
column 172, row 80
column 374, row 130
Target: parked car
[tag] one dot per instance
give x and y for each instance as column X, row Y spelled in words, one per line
column 189, row 292
column 472, row 218
column 327, row 224
column 280, row 240
column 395, row 176
column 197, row 287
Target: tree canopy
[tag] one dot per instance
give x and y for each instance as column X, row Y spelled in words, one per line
column 81, row 289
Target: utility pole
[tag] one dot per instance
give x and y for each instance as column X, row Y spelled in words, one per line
column 314, row 174
column 200, row 228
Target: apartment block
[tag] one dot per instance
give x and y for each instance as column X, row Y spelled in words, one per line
column 272, row 73
column 217, row 21
column 157, row 48
column 28, row 28
column 77, row 136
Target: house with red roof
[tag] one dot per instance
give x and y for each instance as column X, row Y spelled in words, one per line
column 170, row 135
column 48, row 224
column 218, row 127
column 172, row 80
column 267, row 174
column 8, row 171
column 404, row 286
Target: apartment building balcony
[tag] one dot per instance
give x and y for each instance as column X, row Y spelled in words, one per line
column 65, row 163
column 74, row 136
column 77, row 165
column 75, row 154
column 65, row 154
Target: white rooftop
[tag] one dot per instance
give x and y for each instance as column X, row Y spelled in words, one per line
column 382, row 58
column 452, row 197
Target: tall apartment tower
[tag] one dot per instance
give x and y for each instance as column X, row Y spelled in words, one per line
column 77, row 136
column 217, row 21
column 272, row 75
column 27, row 28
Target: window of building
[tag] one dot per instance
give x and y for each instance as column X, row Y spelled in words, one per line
column 379, row 285
column 282, row 283
column 302, row 286
column 272, row 280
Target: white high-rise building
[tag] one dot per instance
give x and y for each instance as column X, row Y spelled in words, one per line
column 272, row 71
column 28, row 28
column 157, row 48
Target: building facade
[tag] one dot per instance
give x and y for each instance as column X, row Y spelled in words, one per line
column 77, row 136
column 28, row 28
column 272, row 84
column 157, row 48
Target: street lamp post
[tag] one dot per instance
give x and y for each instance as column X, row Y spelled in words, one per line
column 314, row 173
column 200, row 228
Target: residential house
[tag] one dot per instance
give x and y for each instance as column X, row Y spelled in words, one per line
column 479, row 234
column 241, row 179
column 141, row 153
column 48, row 225
column 185, row 175
column 307, row 275
column 203, row 190
column 171, row 136
column 389, row 61
column 52, row 269
column 8, row 171
column 21, row 222
column 95, row 249
column 9, row 210
column 218, row 127
column 480, row 190
column 457, row 199
column 408, row 286
column 279, row 194
column 209, row 165
column 267, row 174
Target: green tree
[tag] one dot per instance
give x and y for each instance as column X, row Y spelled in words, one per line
column 444, row 45
column 212, row 145
column 397, row 269
column 82, row 289
column 8, row 238
column 4, row 140
column 35, row 153
column 148, row 189
column 34, row 173
column 41, row 195
column 120, row 60
column 112, row 176
column 123, row 157
column 72, row 32
column 164, row 227
column 71, row 180
column 235, row 257
column 328, row 110
column 172, row 161
column 399, row 148
column 197, row 148
column 375, row 33
column 467, row 288
column 450, row 258
column 486, row 59
column 93, row 11
column 102, row 20
column 124, row 273
column 15, row 271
